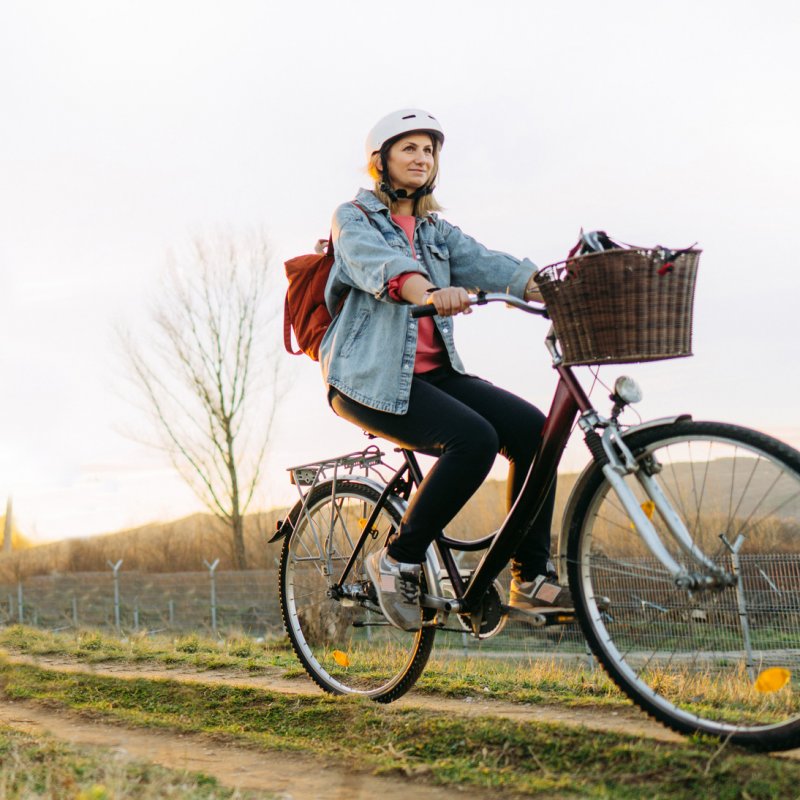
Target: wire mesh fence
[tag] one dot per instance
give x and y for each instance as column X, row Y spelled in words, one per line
column 245, row 601
column 223, row 602
column 216, row 602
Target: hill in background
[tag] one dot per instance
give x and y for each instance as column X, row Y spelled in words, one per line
column 184, row 544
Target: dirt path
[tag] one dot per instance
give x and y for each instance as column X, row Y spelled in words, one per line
column 284, row 775
column 289, row 776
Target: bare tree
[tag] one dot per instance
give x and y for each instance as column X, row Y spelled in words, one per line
column 209, row 373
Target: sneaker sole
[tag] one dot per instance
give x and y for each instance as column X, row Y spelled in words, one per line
column 542, row 610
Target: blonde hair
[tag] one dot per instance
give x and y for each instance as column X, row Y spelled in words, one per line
column 422, row 205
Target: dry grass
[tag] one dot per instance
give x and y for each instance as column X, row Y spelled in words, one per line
column 177, row 546
column 181, row 545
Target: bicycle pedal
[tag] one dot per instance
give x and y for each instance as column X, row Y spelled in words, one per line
column 541, row 619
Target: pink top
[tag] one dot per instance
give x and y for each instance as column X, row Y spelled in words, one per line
column 431, row 352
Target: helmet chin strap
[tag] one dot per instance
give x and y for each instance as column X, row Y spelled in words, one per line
column 401, row 194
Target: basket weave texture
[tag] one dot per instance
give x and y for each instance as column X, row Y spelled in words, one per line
column 614, row 307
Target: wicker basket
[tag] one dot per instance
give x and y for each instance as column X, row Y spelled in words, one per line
column 619, row 306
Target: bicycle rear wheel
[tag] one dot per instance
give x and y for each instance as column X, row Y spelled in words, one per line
column 345, row 643
column 724, row 662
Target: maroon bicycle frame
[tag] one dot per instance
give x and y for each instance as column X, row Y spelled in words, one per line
column 568, row 401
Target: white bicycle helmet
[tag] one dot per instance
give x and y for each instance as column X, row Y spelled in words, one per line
column 399, row 122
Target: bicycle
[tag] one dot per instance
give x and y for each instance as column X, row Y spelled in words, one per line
column 671, row 545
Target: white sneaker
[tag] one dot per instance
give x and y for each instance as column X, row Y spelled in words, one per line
column 397, row 588
column 543, row 593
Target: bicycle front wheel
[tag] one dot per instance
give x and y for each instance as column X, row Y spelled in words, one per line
column 724, row 662
column 343, row 639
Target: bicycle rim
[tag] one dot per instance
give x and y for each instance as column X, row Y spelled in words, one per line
column 727, row 661
column 346, row 645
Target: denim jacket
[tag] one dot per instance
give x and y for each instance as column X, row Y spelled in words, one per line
column 368, row 352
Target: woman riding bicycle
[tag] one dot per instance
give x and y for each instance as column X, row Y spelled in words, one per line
column 402, row 379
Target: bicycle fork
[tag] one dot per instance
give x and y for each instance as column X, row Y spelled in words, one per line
column 619, row 462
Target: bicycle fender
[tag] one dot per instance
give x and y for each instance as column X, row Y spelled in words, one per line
column 583, row 478
column 286, row 525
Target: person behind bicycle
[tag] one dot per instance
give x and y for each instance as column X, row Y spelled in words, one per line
column 402, row 379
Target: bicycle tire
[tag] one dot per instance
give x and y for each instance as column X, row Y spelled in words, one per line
column 346, row 647
column 684, row 657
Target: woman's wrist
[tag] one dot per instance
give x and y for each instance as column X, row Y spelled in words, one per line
column 414, row 288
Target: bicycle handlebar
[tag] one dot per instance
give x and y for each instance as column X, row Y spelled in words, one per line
column 481, row 299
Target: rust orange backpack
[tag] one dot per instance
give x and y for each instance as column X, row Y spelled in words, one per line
column 304, row 309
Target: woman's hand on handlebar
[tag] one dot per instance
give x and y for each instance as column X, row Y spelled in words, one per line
column 481, row 299
column 532, row 291
column 450, row 301
column 417, row 290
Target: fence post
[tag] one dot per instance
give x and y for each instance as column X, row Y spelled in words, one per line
column 116, row 567
column 136, row 614
column 20, row 604
column 211, row 570
column 171, row 612
column 75, row 611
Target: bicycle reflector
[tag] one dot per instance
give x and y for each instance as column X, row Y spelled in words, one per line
column 627, row 390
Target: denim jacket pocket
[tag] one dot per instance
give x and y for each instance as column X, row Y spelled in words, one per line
column 439, row 250
column 360, row 324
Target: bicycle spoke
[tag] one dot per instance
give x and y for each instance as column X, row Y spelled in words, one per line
column 345, row 644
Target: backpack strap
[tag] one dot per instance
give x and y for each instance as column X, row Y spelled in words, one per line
column 287, row 329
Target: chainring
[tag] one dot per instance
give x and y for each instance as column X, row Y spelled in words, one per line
column 490, row 618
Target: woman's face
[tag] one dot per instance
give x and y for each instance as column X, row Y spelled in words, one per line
column 410, row 161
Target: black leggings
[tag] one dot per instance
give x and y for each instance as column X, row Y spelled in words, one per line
column 465, row 421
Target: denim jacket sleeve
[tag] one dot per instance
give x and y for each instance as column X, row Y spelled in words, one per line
column 474, row 266
column 365, row 259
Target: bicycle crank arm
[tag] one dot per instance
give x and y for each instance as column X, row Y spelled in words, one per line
column 448, row 604
column 358, row 624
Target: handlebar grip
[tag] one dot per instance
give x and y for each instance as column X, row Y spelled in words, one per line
column 428, row 310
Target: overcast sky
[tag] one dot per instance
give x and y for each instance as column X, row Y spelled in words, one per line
column 128, row 127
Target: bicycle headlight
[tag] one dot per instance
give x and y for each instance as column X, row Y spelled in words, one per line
column 627, row 390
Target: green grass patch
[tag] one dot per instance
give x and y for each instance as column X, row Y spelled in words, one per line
column 535, row 680
column 522, row 758
column 192, row 650
column 40, row 767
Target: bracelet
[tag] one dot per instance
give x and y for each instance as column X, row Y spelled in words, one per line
column 428, row 294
